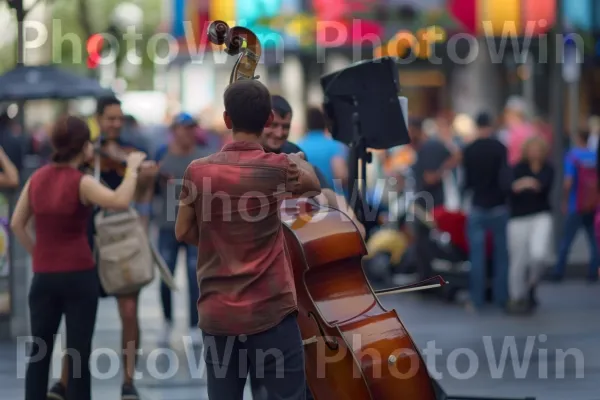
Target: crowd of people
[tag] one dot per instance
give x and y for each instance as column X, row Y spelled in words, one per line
column 501, row 178
column 58, row 203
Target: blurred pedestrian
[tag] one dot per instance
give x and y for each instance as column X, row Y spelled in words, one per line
column 452, row 181
column 487, row 178
column 518, row 127
column 329, row 155
column 9, row 175
column 59, row 197
column 530, row 226
column 434, row 160
column 173, row 158
column 594, row 127
column 10, row 143
column 580, row 191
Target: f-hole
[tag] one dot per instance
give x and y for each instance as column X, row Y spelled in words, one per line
column 331, row 343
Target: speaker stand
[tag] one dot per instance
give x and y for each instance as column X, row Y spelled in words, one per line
column 358, row 155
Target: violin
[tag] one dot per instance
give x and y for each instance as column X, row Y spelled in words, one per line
column 113, row 156
column 355, row 349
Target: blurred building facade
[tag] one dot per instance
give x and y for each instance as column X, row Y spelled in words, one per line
column 503, row 43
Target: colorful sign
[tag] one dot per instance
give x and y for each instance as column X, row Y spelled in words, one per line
column 337, row 27
column 505, row 17
column 420, row 44
column 191, row 19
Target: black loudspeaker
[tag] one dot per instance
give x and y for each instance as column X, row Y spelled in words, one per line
column 362, row 101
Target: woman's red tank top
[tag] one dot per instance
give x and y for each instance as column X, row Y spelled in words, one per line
column 61, row 221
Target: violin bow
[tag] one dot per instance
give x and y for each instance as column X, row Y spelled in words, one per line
column 429, row 283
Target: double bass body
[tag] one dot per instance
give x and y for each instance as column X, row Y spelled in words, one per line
column 354, row 347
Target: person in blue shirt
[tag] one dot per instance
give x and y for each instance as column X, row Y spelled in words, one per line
column 325, row 153
column 578, row 158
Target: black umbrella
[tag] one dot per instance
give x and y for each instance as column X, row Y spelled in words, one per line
column 47, row 82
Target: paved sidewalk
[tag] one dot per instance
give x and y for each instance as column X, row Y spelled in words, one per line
column 180, row 366
column 566, row 321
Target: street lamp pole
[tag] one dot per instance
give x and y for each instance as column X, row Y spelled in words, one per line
column 557, row 108
column 17, row 5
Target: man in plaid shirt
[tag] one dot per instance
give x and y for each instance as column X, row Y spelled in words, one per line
column 229, row 208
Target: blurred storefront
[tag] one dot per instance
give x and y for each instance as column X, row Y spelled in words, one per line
column 200, row 73
column 446, row 48
column 513, row 51
column 405, row 29
column 583, row 19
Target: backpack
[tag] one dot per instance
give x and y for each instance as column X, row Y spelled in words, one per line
column 586, row 188
column 125, row 259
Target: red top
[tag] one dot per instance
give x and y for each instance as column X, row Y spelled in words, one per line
column 60, row 219
column 244, row 273
column 455, row 223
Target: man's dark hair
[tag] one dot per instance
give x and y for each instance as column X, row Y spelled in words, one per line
column 281, row 106
column 248, row 104
column 315, row 119
column 483, row 120
column 583, row 136
column 105, row 102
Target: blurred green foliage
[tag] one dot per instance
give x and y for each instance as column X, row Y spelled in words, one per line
column 68, row 37
column 67, row 22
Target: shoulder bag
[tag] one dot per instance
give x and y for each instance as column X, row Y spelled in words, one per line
column 125, row 257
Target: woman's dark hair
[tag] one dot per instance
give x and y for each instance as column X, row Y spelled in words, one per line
column 69, row 136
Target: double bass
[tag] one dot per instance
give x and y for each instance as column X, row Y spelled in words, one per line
column 355, row 349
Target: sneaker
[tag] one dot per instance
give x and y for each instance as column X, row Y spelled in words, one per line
column 521, row 307
column 129, row 392
column 196, row 336
column 164, row 337
column 57, row 392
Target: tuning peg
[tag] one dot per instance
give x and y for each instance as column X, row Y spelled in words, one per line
column 217, row 32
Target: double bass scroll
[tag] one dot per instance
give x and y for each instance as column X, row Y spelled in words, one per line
column 237, row 40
